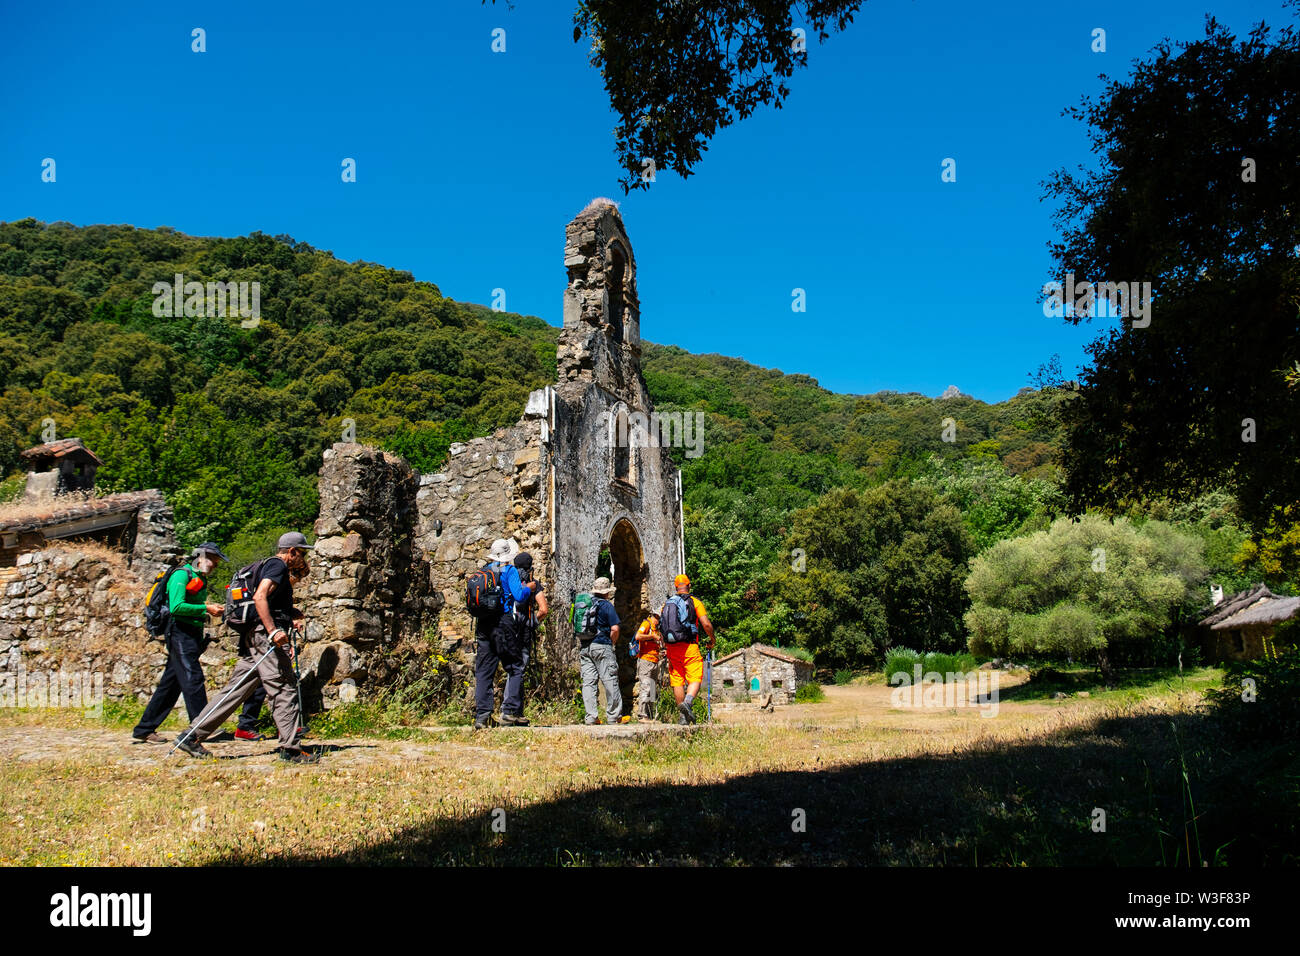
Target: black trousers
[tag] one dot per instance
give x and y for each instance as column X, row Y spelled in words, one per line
column 252, row 707
column 183, row 675
column 505, row 643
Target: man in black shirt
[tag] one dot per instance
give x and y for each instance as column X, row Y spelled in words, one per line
column 273, row 600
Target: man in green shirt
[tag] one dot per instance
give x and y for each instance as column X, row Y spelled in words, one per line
column 189, row 608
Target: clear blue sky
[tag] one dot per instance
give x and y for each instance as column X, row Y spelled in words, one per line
column 470, row 163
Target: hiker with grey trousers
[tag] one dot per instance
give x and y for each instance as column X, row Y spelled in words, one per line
column 597, row 659
column 263, row 657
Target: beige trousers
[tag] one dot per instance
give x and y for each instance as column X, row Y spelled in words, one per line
column 276, row 676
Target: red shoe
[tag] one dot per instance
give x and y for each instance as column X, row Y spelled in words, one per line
column 248, row 735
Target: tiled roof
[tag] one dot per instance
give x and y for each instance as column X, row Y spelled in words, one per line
column 60, row 449
column 56, row 512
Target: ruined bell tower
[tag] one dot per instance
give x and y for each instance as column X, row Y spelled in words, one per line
column 569, row 481
column 601, row 339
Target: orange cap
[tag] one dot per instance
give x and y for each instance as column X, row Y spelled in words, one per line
column 681, row 581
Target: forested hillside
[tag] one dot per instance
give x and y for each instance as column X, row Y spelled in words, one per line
column 231, row 423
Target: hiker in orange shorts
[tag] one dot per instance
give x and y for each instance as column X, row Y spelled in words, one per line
column 681, row 621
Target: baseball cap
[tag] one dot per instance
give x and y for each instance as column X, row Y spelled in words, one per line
column 681, row 581
column 293, row 539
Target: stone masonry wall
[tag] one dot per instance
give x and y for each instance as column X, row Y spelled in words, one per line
column 370, row 588
column 155, row 548
column 491, row 488
column 65, row 608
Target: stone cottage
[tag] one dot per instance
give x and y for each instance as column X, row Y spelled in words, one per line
column 759, row 670
column 579, row 481
column 59, row 504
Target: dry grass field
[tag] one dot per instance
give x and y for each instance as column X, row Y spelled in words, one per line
column 849, row 780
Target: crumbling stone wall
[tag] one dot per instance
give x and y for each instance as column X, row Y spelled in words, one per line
column 65, row 608
column 155, row 548
column 549, row 481
column 370, row 589
column 490, row 489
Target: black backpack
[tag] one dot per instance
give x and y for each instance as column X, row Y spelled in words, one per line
column 241, row 613
column 677, row 621
column 157, row 609
column 485, row 596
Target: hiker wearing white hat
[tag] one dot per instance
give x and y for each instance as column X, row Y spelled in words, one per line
column 501, row 634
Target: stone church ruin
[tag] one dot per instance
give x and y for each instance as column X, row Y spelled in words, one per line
column 394, row 547
column 385, row 601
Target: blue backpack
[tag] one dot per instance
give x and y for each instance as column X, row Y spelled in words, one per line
column 678, row 622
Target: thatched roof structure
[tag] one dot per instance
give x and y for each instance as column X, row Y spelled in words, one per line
column 1254, row 606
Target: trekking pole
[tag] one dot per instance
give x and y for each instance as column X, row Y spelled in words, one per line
column 229, row 694
column 708, row 685
column 297, row 677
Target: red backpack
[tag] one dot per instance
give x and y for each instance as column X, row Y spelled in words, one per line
column 484, row 594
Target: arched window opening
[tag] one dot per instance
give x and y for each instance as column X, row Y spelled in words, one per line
column 622, row 449
column 614, row 286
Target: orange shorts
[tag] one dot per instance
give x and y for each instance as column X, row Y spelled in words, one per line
column 685, row 664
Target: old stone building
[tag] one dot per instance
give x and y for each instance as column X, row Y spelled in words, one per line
column 578, row 481
column 759, row 670
column 1244, row 625
column 583, row 481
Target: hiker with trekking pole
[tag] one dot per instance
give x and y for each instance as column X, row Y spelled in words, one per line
column 259, row 607
column 246, row 727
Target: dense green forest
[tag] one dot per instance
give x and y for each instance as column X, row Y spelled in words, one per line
column 231, row 422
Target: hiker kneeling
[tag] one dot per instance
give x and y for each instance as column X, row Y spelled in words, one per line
column 262, row 650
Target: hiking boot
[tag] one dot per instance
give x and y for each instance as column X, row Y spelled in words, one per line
column 514, row 720
column 684, row 709
column 249, row 735
column 150, row 739
column 625, row 720
column 298, row 756
column 193, row 747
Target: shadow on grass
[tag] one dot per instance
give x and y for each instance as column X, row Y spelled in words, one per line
column 998, row 803
column 322, row 749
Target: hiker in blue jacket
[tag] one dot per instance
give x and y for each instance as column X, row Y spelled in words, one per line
column 503, row 639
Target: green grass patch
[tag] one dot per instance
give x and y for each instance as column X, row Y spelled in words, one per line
column 1132, row 685
column 903, row 660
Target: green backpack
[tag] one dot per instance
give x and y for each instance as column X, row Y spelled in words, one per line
column 582, row 615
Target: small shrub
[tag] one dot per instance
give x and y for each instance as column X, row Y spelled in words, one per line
column 11, row 489
column 843, row 676
column 1274, row 714
column 947, row 663
column 809, row 694
column 901, row 660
